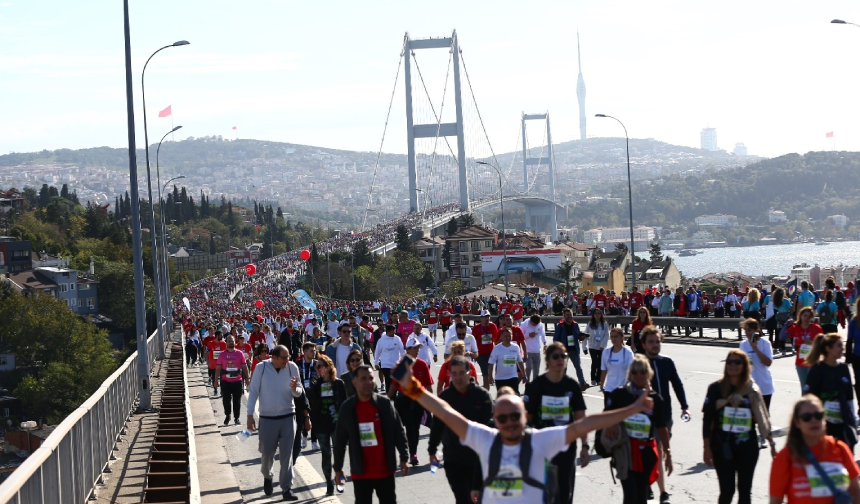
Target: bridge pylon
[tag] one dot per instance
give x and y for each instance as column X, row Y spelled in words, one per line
column 414, row 131
column 543, row 216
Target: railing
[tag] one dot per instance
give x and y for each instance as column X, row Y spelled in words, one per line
column 70, row 461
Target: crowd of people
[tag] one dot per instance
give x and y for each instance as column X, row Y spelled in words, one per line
column 357, row 376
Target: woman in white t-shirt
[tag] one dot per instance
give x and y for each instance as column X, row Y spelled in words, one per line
column 760, row 352
column 615, row 362
column 507, row 362
column 598, row 337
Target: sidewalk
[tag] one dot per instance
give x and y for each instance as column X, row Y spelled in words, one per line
column 125, row 482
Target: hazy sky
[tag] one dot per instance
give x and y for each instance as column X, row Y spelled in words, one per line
column 775, row 75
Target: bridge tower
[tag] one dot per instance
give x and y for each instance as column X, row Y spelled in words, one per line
column 540, row 216
column 414, row 131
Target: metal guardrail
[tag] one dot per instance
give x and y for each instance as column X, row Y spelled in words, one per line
column 69, row 463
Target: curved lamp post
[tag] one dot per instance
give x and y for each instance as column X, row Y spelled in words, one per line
column 502, row 204
column 629, row 198
column 159, row 302
column 164, row 264
column 839, row 21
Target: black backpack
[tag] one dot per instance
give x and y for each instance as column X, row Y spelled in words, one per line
column 550, row 490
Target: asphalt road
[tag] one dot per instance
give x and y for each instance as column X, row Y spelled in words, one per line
column 691, row 481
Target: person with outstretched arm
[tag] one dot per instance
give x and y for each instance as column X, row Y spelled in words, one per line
column 523, row 483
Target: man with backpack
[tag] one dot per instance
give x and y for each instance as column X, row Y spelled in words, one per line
column 513, row 457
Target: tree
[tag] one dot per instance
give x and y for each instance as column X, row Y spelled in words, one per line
column 362, row 254
column 467, row 220
column 401, row 239
column 620, row 247
column 452, row 227
column 452, row 288
column 565, row 270
column 212, row 248
column 656, row 252
column 44, row 196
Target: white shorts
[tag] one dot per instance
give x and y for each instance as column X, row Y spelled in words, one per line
column 432, row 327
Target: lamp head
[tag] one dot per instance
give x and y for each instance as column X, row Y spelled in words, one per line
column 181, row 43
column 482, row 162
column 599, row 115
column 179, row 177
column 176, row 128
column 838, row 21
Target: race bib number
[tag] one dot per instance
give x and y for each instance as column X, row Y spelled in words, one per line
column 232, row 372
column 215, row 354
column 556, row 409
column 486, row 339
column 508, row 487
column 366, row 434
column 571, row 341
column 833, row 411
column 638, row 426
column 509, row 360
column 837, row 473
column 737, row 420
column 307, row 384
column 804, row 351
column 326, row 391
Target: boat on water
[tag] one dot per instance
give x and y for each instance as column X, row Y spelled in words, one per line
column 687, row 253
column 821, row 242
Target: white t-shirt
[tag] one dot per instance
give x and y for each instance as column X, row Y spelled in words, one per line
column 331, row 329
column 760, row 373
column 546, row 444
column 505, row 360
column 469, row 341
column 616, row 365
column 533, row 345
column 452, row 331
column 342, row 354
column 427, row 351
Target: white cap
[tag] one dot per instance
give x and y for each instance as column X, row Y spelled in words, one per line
column 412, row 343
column 485, row 313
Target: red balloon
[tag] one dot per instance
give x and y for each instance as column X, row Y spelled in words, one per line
column 305, row 255
column 250, row 269
column 259, row 303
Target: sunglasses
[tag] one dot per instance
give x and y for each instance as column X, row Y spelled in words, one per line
column 735, row 362
column 638, row 371
column 556, row 356
column 355, row 360
column 345, row 332
column 504, row 417
column 807, row 417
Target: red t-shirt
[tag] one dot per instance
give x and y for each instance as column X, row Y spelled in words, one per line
column 517, row 335
column 373, row 460
column 215, row 349
column 625, row 303
column 445, row 376
column 246, row 349
column 790, row 477
column 798, row 336
column 256, row 337
column 517, row 312
column 446, row 315
column 505, row 308
column 432, row 315
column 421, row 372
column 600, row 301
column 485, row 338
column 635, row 300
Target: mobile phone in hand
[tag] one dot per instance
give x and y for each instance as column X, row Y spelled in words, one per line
column 400, row 369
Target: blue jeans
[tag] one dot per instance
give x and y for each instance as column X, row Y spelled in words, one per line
column 573, row 353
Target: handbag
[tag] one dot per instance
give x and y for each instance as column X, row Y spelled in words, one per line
column 839, row 496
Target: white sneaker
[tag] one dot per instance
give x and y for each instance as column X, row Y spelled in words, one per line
column 315, row 445
column 304, row 442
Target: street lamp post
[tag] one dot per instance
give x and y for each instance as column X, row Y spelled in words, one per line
column 839, row 21
column 629, row 198
column 156, row 276
column 144, row 392
column 164, row 259
column 502, row 205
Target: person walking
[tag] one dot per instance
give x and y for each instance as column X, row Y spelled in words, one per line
column 852, row 350
column 475, row 404
column 642, row 429
column 733, row 407
column 614, row 363
column 326, row 394
column 827, row 312
column 389, row 351
column 507, row 362
column 352, row 362
column 370, row 425
column 643, row 318
column 339, row 350
column 308, row 372
column 778, row 311
column 279, row 379
column 444, row 378
column 231, row 370
column 411, row 413
column 535, row 343
column 512, row 457
column 830, row 381
column 568, row 334
column 598, row 337
column 554, row 399
column 760, row 354
column 795, row 472
column 802, row 334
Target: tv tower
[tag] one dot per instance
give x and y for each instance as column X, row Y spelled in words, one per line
column 580, row 92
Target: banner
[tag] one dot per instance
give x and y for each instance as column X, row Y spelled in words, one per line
column 304, row 299
column 187, row 303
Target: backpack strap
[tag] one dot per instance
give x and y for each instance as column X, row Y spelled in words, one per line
column 495, row 460
column 526, row 459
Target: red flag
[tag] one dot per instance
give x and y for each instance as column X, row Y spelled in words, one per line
column 830, row 135
column 258, row 227
column 234, row 127
column 166, row 112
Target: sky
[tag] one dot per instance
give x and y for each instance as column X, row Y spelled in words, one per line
column 775, row 75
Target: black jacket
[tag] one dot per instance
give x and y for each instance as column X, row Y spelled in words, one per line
column 393, row 434
column 665, row 373
column 320, row 419
column 476, row 405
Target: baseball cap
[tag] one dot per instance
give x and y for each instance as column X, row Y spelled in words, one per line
column 485, row 313
column 412, row 343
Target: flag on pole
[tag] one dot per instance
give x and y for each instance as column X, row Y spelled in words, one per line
column 233, row 126
column 166, row 112
column 829, row 134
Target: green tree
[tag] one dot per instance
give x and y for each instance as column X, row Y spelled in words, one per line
column 401, row 239
column 656, row 253
column 363, row 255
column 565, row 270
column 452, row 288
column 452, row 227
column 467, row 220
